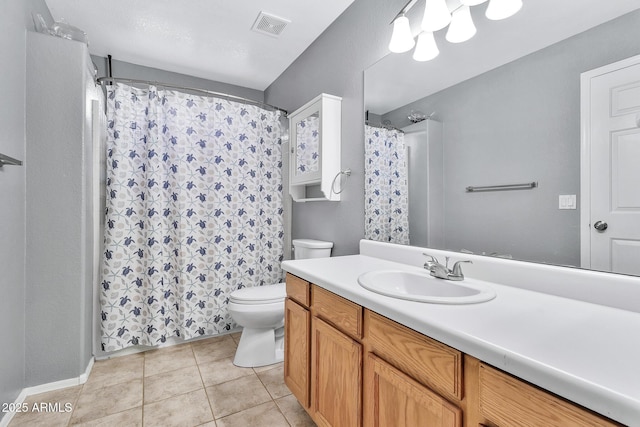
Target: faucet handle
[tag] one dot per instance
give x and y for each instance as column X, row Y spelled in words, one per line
column 430, row 262
column 457, row 270
column 433, row 259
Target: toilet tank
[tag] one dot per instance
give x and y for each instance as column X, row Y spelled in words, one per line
column 309, row 248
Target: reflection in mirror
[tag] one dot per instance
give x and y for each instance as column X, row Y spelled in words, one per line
column 386, row 203
column 518, row 122
column 308, row 145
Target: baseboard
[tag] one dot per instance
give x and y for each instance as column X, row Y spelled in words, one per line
column 8, row 416
column 43, row 388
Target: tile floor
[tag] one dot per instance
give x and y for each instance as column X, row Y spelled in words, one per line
column 193, row 384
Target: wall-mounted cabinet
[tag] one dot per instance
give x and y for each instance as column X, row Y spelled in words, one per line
column 315, row 130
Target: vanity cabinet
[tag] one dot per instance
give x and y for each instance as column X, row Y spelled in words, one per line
column 323, row 353
column 349, row 366
column 314, row 161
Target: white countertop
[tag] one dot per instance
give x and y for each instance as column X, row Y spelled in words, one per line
column 585, row 352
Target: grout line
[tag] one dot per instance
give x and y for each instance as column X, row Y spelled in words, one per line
column 213, row 416
column 144, row 366
column 204, row 387
column 75, row 403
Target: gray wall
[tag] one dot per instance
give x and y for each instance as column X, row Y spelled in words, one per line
column 59, row 244
column 15, row 19
column 334, row 64
column 517, row 123
column 138, row 72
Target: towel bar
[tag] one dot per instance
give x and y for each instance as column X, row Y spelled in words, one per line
column 525, row 186
column 6, row 160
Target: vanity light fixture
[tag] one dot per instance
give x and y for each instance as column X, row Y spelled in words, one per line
column 438, row 15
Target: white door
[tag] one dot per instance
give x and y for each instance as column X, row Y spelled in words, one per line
column 611, row 145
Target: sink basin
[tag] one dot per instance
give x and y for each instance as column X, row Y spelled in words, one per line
column 422, row 287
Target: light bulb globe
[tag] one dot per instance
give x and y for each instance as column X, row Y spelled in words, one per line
column 436, row 15
column 461, row 28
column 426, row 48
column 401, row 38
column 502, row 9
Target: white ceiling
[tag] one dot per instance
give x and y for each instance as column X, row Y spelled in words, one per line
column 397, row 79
column 211, row 39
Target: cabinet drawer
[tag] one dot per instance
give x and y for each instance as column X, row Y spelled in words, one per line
column 507, row 401
column 343, row 314
column 432, row 363
column 298, row 290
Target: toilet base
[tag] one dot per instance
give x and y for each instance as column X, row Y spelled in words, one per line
column 260, row 347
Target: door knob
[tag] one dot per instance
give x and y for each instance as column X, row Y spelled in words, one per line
column 600, row 225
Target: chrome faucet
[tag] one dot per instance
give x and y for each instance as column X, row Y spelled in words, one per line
column 442, row 271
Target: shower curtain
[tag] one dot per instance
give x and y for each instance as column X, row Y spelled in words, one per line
column 194, row 212
column 386, row 187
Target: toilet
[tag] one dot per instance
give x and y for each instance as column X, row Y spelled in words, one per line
column 260, row 311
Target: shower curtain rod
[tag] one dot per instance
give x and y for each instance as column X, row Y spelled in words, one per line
column 108, row 80
column 382, row 126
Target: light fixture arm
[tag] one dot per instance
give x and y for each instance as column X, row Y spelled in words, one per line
column 407, row 7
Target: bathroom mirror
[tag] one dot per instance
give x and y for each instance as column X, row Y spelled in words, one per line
column 509, row 104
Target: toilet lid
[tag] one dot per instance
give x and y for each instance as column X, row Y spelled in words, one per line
column 259, row 294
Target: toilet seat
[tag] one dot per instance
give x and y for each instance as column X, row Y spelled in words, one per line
column 266, row 294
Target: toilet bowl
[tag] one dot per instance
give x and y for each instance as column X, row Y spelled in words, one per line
column 260, row 312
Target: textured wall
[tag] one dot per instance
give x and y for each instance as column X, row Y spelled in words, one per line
column 334, row 64
column 59, row 239
column 517, row 123
column 15, row 19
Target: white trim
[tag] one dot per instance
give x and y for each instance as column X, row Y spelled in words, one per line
column 85, row 376
column 8, row 416
column 43, row 388
column 585, row 152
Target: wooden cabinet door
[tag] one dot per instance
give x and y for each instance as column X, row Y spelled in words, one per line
column 336, row 366
column 393, row 399
column 297, row 333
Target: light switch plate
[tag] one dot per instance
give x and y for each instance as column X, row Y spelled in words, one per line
column 567, row 201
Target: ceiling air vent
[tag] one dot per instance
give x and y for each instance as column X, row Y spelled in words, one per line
column 270, row 24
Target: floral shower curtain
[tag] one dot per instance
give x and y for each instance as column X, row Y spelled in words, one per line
column 386, row 187
column 194, row 212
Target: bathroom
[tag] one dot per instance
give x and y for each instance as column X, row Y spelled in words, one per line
column 30, row 355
